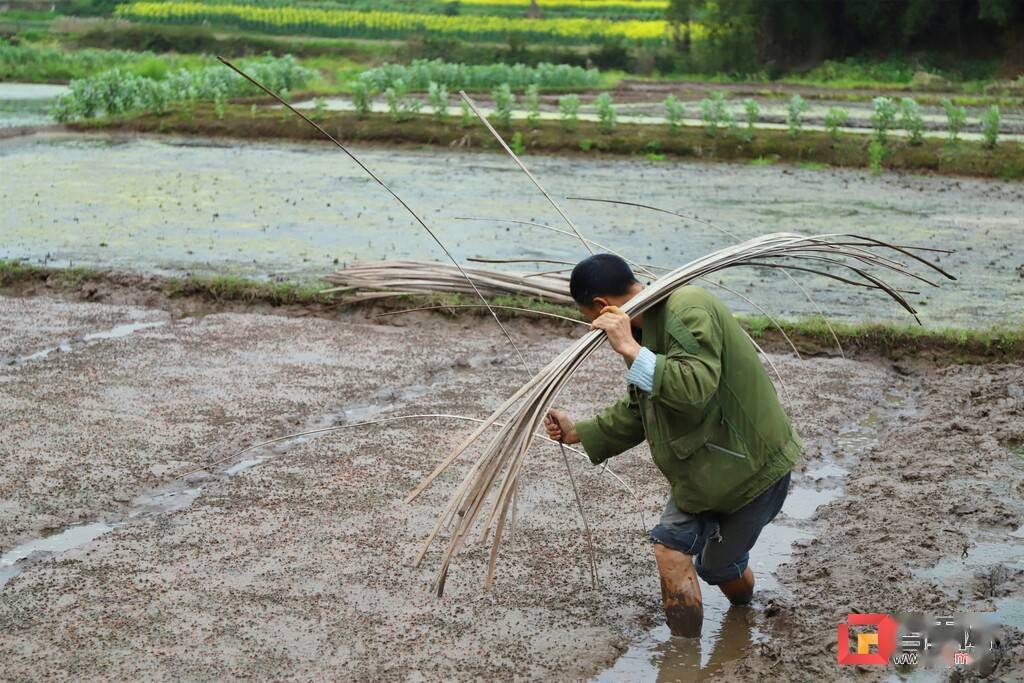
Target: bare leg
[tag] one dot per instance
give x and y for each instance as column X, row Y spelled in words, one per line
column 680, row 592
column 740, row 591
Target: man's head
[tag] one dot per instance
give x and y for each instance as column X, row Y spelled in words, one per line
column 602, row 280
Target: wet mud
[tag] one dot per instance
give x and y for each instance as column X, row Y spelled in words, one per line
column 294, row 561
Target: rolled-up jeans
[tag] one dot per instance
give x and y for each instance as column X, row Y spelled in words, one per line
column 720, row 544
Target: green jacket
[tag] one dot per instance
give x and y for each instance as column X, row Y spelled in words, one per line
column 713, row 421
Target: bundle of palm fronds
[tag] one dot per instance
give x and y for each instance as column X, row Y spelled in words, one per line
column 502, row 460
column 380, row 279
column 494, row 475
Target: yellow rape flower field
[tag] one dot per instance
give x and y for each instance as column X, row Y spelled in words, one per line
column 585, row 4
column 356, row 24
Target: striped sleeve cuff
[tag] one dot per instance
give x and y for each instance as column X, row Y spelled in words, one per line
column 641, row 372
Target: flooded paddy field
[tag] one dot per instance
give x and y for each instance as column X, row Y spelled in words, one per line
column 27, row 104
column 296, row 211
column 125, row 554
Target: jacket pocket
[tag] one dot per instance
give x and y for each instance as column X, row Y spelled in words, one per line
column 714, row 474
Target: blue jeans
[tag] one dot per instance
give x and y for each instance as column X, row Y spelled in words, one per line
column 720, row 544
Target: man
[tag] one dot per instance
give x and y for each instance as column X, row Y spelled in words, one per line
column 697, row 392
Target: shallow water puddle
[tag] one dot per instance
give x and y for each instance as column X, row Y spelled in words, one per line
column 828, row 470
column 169, row 498
column 12, row 561
column 728, row 634
column 987, row 566
column 802, row 502
column 28, row 104
column 66, row 347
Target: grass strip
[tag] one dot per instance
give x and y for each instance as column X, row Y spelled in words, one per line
column 891, row 340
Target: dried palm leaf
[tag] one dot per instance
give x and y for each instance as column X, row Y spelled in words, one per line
column 375, row 279
column 491, row 477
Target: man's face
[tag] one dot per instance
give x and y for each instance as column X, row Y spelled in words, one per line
column 593, row 310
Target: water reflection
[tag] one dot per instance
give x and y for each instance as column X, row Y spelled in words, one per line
column 692, row 659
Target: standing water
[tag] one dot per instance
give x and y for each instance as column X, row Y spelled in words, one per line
column 298, row 210
column 28, row 104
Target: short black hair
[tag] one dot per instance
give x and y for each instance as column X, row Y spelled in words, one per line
column 600, row 275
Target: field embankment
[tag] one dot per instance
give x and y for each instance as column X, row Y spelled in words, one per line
column 194, row 295
column 586, row 137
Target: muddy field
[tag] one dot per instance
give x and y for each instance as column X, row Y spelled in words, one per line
column 173, row 205
column 293, row 561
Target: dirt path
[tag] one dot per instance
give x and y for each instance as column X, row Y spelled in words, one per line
column 293, row 562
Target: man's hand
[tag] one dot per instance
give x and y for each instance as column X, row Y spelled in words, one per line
column 561, row 427
column 616, row 325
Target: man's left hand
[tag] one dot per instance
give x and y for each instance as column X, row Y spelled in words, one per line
column 617, row 326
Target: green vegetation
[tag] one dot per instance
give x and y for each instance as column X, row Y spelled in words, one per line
column 956, row 119
column 674, row 112
column 569, row 110
column 714, row 114
column 420, row 73
column 532, row 100
column 835, row 118
column 898, row 73
column 882, row 118
column 37, row 64
column 17, row 272
column 504, row 101
column 437, row 96
column 516, row 144
column 748, row 36
column 605, row 113
column 795, row 115
column 911, row 120
column 228, row 288
column 990, row 126
column 374, row 24
column 954, row 343
column 401, row 107
column 361, row 98
column 219, row 288
column 964, row 46
column 115, row 92
column 751, row 112
column 876, row 154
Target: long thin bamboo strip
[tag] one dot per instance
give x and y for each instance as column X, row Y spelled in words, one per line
column 497, row 308
column 472, row 105
column 375, row 279
column 380, row 182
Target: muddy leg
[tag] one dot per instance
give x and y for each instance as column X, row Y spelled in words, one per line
column 680, row 592
column 740, row 591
